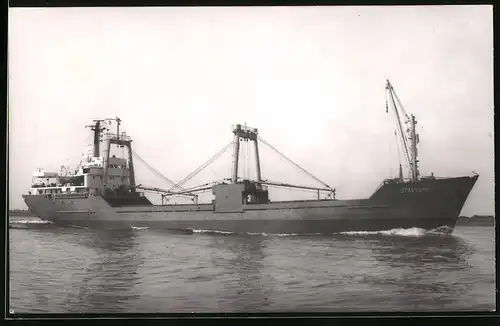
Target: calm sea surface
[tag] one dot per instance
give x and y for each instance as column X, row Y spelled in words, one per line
column 57, row 269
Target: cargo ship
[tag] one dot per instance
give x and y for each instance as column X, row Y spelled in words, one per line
column 102, row 192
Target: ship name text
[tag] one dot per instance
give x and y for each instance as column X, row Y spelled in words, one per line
column 407, row 190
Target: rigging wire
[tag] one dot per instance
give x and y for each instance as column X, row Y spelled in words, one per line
column 389, row 146
column 248, row 159
column 200, row 168
column 264, row 149
column 245, row 153
column 404, row 139
column 152, row 168
column 270, row 183
column 400, row 141
column 401, row 105
column 397, row 146
column 294, row 189
column 241, row 162
column 244, row 158
column 295, row 164
column 304, row 191
column 199, row 187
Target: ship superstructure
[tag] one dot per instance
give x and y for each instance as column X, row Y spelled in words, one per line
column 103, row 191
column 108, row 176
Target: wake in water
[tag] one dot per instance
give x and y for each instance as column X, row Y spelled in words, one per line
column 210, row 231
column 29, row 222
column 139, row 228
column 410, row 232
column 250, row 233
column 23, row 224
column 275, row 234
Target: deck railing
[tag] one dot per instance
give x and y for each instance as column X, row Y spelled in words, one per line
column 55, row 185
column 109, row 135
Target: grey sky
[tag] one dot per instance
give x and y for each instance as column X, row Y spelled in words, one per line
column 310, row 78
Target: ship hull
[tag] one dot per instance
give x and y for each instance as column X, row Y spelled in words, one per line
column 311, row 227
column 428, row 204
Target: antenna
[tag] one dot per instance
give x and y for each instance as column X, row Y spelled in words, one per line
column 97, row 129
column 118, row 122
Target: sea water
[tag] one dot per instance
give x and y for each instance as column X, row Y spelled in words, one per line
column 56, row 269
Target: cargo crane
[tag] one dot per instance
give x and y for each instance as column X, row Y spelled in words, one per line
column 409, row 137
column 122, row 140
column 165, row 193
column 255, row 190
